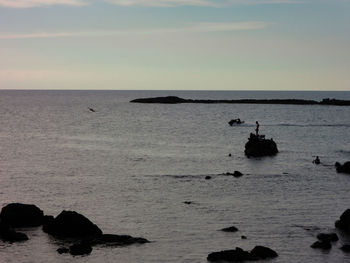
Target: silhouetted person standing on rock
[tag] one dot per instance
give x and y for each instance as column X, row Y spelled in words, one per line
column 257, row 128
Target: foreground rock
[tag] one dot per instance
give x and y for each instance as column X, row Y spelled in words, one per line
column 344, row 222
column 258, row 146
column 239, row 255
column 345, row 168
column 21, row 215
column 70, row 224
column 7, row 233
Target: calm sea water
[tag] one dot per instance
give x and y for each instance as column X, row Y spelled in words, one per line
column 129, row 168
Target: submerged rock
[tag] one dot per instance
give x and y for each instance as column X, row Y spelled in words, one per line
column 207, row 177
column 345, row 168
column 118, row 240
column 21, row 215
column 258, row 146
column 70, row 224
column 230, row 229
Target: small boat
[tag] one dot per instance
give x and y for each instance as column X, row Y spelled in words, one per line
column 235, row 121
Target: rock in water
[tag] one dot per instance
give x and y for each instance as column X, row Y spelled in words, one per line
column 345, row 168
column 80, row 249
column 257, row 147
column 262, row 252
column 237, row 174
column 118, row 240
column 239, row 255
column 71, row 224
column 21, row 215
column 328, row 237
column 230, row 229
column 322, row 245
column 234, row 255
column 344, row 222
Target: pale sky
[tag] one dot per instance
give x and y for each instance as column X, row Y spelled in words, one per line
column 175, row 44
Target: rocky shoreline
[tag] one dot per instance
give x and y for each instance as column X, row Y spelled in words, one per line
column 177, row 100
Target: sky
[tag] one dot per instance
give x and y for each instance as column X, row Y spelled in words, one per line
column 175, row 44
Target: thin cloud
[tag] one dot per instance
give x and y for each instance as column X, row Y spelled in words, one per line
column 208, row 3
column 152, row 3
column 38, row 3
column 204, row 27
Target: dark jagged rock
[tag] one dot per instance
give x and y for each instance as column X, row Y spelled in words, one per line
column 234, row 255
column 230, row 229
column 188, row 202
column 175, row 100
column 262, row 252
column 237, row 174
column 344, row 222
column 258, row 147
column 22, row 215
column 62, row 250
column 328, row 237
column 70, row 224
column 118, row 240
column 7, row 233
column 207, row 177
column 345, row 168
column 345, row 248
column 80, row 249
column 243, row 237
column 322, row 245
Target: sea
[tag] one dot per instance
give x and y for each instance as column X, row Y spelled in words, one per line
column 130, row 167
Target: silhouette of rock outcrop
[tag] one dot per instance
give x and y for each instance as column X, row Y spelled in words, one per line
column 345, row 168
column 257, row 147
column 70, row 224
column 21, row 215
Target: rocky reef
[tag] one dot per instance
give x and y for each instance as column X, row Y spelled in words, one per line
column 69, row 226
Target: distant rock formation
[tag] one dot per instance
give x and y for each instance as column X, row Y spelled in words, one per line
column 258, row 146
column 345, row 168
column 176, row 100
